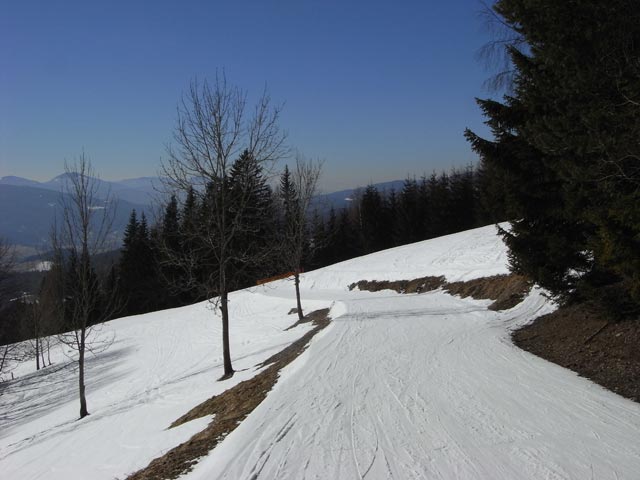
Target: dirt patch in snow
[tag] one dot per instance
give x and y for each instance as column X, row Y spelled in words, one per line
column 580, row 338
column 506, row 290
column 229, row 409
column 417, row 285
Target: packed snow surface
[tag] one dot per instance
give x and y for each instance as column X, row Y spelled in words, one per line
column 398, row 386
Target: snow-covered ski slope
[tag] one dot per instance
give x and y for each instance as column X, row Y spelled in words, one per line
column 398, row 386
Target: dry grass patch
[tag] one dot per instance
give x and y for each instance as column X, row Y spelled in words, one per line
column 229, row 409
column 506, row 290
column 417, row 285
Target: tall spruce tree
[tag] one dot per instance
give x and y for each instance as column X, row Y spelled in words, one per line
column 319, row 240
column 167, row 242
column 253, row 246
column 171, row 224
column 440, row 194
column 392, row 208
column 346, row 239
column 288, row 197
column 410, row 219
column 330, row 252
column 138, row 284
column 373, row 227
column 566, row 145
column 462, row 200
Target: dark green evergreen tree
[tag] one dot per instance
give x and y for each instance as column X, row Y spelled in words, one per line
column 167, row 242
column 171, row 224
column 288, row 196
column 319, row 240
column 189, row 221
column 462, row 200
column 256, row 225
column 128, row 279
column 130, row 232
column 374, row 230
column 346, row 241
column 392, row 211
column 329, row 252
column 410, row 220
column 139, row 283
column 565, row 148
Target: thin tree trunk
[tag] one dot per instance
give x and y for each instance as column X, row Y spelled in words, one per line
column 296, row 279
column 42, row 354
column 226, row 351
column 83, row 398
column 37, row 353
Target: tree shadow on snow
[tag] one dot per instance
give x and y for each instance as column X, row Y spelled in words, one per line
column 39, row 393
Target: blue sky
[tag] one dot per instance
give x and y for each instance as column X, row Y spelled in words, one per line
column 378, row 89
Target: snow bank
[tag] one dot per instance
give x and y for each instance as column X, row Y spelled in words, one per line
column 159, row 366
column 458, row 257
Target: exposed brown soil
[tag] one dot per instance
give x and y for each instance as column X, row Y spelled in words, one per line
column 580, row 338
column 506, row 290
column 417, row 285
column 229, row 408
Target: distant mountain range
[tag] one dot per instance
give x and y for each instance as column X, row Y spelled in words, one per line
column 141, row 190
column 343, row 198
column 28, row 208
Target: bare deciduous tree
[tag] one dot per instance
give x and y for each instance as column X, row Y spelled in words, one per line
column 10, row 356
column 295, row 233
column 39, row 325
column 33, row 327
column 83, row 232
column 214, row 128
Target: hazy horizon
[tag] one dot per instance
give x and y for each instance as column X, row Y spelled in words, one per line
column 378, row 91
column 273, row 182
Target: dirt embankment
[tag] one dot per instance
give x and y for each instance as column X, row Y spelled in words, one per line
column 230, row 408
column 580, row 338
column 506, row 290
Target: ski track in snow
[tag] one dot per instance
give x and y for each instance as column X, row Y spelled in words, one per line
column 437, row 392
column 422, row 386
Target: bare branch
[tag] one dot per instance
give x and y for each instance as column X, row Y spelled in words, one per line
column 295, row 239
column 213, row 130
column 496, row 54
column 82, row 233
